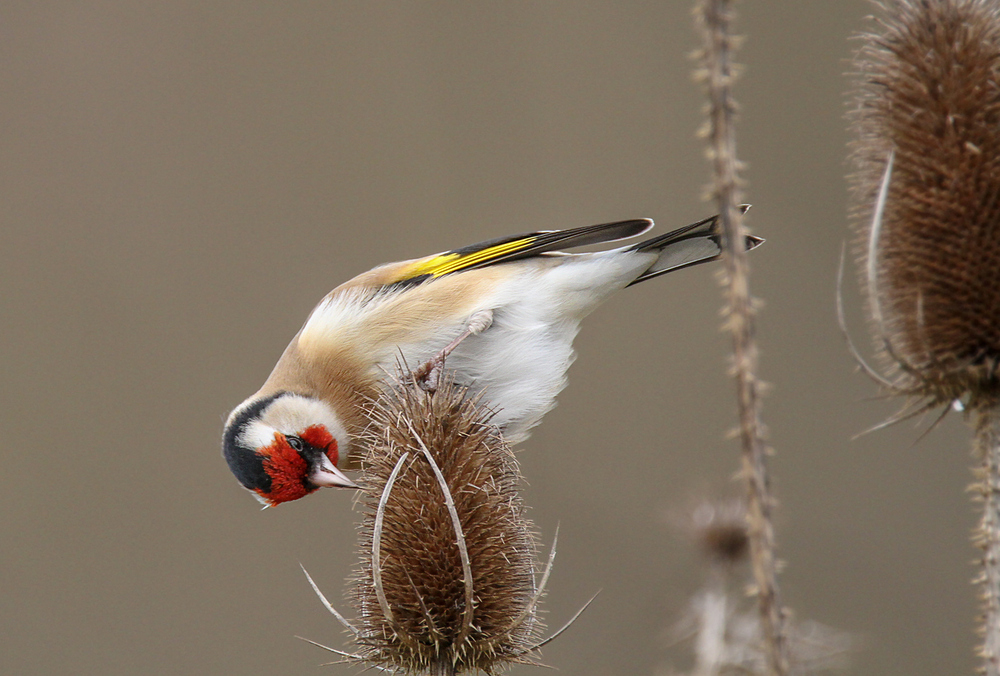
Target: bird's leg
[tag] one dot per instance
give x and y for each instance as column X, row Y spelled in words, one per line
column 428, row 374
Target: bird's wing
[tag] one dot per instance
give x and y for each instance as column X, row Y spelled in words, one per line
column 380, row 310
column 507, row 249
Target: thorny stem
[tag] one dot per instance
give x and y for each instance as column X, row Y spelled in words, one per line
column 716, row 17
column 442, row 668
column 987, row 534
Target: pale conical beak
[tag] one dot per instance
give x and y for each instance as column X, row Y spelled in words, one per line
column 326, row 475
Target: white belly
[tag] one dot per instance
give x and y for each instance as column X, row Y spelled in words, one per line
column 520, row 362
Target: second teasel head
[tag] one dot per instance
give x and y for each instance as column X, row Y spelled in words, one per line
column 926, row 193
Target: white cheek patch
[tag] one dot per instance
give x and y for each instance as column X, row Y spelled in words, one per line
column 256, row 435
column 293, row 414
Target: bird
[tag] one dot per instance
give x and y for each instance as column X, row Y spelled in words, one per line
column 503, row 313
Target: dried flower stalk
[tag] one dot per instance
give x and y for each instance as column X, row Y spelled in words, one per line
column 720, row 529
column 715, row 18
column 926, row 192
column 986, row 536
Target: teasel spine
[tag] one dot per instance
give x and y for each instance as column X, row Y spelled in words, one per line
column 718, row 73
column 926, row 196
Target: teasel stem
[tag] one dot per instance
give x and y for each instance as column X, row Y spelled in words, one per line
column 715, row 18
column 987, row 533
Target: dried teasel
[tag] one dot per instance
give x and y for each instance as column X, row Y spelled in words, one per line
column 927, row 202
column 926, row 195
column 447, row 577
column 721, row 625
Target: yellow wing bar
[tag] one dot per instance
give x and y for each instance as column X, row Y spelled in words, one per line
column 516, row 247
column 446, row 263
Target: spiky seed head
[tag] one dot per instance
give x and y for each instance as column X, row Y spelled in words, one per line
column 431, row 629
column 929, row 92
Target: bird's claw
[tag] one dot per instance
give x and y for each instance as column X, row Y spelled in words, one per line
column 428, row 375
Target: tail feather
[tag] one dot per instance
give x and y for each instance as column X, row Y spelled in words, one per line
column 693, row 244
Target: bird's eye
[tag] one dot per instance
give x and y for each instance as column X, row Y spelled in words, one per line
column 295, row 443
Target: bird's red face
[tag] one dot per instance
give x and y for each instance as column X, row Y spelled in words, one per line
column 299, row 464
column 285, row 446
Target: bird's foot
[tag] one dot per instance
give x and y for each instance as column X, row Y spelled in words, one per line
column 428, row 375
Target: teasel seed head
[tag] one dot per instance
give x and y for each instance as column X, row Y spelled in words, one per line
column 446, row 582
column 926, row 195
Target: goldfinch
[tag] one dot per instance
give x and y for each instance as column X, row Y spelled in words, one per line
column 504, row 313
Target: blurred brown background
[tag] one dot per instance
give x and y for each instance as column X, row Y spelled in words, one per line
column 181, row 182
